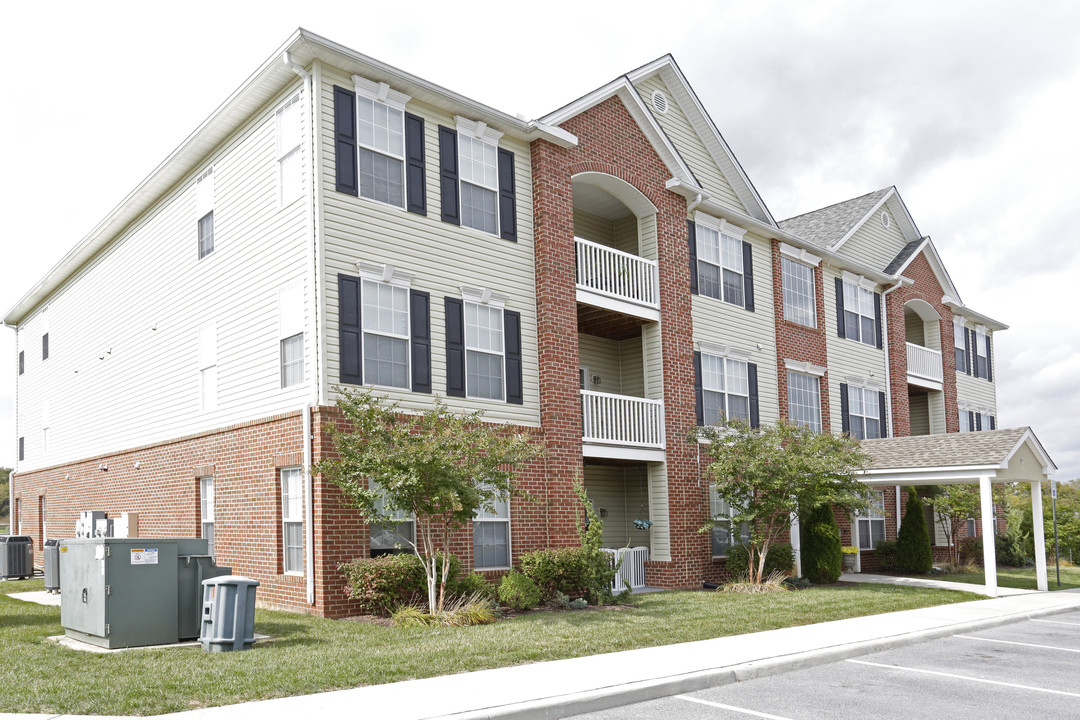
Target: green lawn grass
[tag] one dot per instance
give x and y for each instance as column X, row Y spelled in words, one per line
column 308, row 655
column 1021, row 577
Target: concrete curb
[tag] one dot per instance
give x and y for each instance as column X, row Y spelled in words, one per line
column 618, row 695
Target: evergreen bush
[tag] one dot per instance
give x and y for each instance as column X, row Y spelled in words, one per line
column 885, row 550
column 819, row 537
column 781, row 559
column 913, row 552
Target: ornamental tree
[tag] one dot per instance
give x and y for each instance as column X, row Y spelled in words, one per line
column 953, row 505
column 770, row 473
column 438, row 466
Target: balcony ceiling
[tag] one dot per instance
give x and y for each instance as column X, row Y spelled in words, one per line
column 607, row 323
column 600, row 202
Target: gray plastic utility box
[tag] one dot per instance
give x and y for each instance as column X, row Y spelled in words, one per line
column 52, row 566
column 127, row 592
column 16, row 557
column 228, row 621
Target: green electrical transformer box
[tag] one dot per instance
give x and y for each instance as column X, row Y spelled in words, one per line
column 128, row 592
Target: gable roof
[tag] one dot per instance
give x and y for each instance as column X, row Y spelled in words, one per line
column 986, row 450
column 904, row 257
column 683, row 179
column 827, row 225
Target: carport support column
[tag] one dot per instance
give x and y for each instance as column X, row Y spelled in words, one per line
column 989, row 556
column 1040, row 536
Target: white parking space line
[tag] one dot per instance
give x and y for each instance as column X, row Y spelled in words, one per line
column 1056, row 622
column 965, row 677
column 732, row 708
column 1013, row 642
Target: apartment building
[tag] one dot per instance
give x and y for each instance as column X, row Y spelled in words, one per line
column 606, row 277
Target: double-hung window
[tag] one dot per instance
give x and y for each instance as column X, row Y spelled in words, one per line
column 804, row 400
column 967, row 422
column 289, row 140
column 721, row 263
column 723, row 535
column 798, row 282
column 479, row 183
column 208, row 375
column 960, row 345
column 484, row 351
column 386, row 325
column 872, row 522
column 381, row 140
column 725, row 389
column 982, row 354
column 491, row 536
column 860, row 321
column 291, row 334
column 206, row 511
column 292, row 520
column 985, row 421
column 864, row 412
column 396, row 535
column 204, row 211
column 972, row 530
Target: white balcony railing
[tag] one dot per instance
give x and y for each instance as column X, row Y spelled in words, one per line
column 616, row 274
column 631, row 568
column 924, row 362
column 621, row 420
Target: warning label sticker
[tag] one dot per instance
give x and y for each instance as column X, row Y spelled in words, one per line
column 144, row 556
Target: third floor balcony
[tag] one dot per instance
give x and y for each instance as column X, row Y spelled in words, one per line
column 617, row 280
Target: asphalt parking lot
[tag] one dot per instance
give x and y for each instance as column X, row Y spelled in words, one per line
column 1025, row 670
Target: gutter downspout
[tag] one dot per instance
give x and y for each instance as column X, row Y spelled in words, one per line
column 15, row 415
column 309, row 515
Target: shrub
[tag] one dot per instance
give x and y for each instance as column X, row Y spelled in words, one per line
column 465, row 610
column 475, row 584
column 971, row 550
column 913, row 552
column 385, row 583
column 885, row 551
column 781, row 559
column 518, row 591
column 819, row 534
column 773, row 583
column 561, row 570
column 1009, row 549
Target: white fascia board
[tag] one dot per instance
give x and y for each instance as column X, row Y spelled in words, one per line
column 929, row 476
column 969, row 314
column 938, row 267
column 709, row 134
column 255, row 92
column 1032, row 442
column 870, row 213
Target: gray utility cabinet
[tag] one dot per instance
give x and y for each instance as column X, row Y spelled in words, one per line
column 126, row 592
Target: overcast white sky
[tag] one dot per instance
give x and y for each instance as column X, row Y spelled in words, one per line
column 969, row 108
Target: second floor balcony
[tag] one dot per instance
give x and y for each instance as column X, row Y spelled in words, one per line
column 617, row 280
column 924, row 367
column 621, row 426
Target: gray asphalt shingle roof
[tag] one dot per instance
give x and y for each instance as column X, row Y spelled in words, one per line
column 825, row 226
column 902, row 257
column 988, row 447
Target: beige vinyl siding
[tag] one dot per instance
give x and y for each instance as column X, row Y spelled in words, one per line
column 660, row 532
column 124, row 331
column 719, row 322
column 936, row 406
column 689, row 145
column 623, row 493
column 847, row 358
column 616, row 363
column 593, row 227
column 873, row 244
column 442, row 256
column 977, row 393
column 919, row 409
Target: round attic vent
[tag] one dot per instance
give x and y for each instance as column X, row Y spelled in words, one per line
column 884, row 219
column 659, row 101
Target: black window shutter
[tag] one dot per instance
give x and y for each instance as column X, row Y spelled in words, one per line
column 971, row 419
column 840, row 307
column 978, row 421
column 967, row 351
column 45, row 346
column 507, row 197
column 751, row 379
column 877, row 319
column 515, row 392
column 748, row 276
column 349, row 330
column 448, row 176
column 989, row 362
column 845, row 409
column 22, row 451
column 455, row 347
column 993, row 423
column 693, row 256
column 415, row 174
column 22, row 361
column 883, row 429
column 345, row 141
column 420, row 341
column 699, row 393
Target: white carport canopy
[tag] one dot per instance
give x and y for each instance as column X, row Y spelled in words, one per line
column 986, row 457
